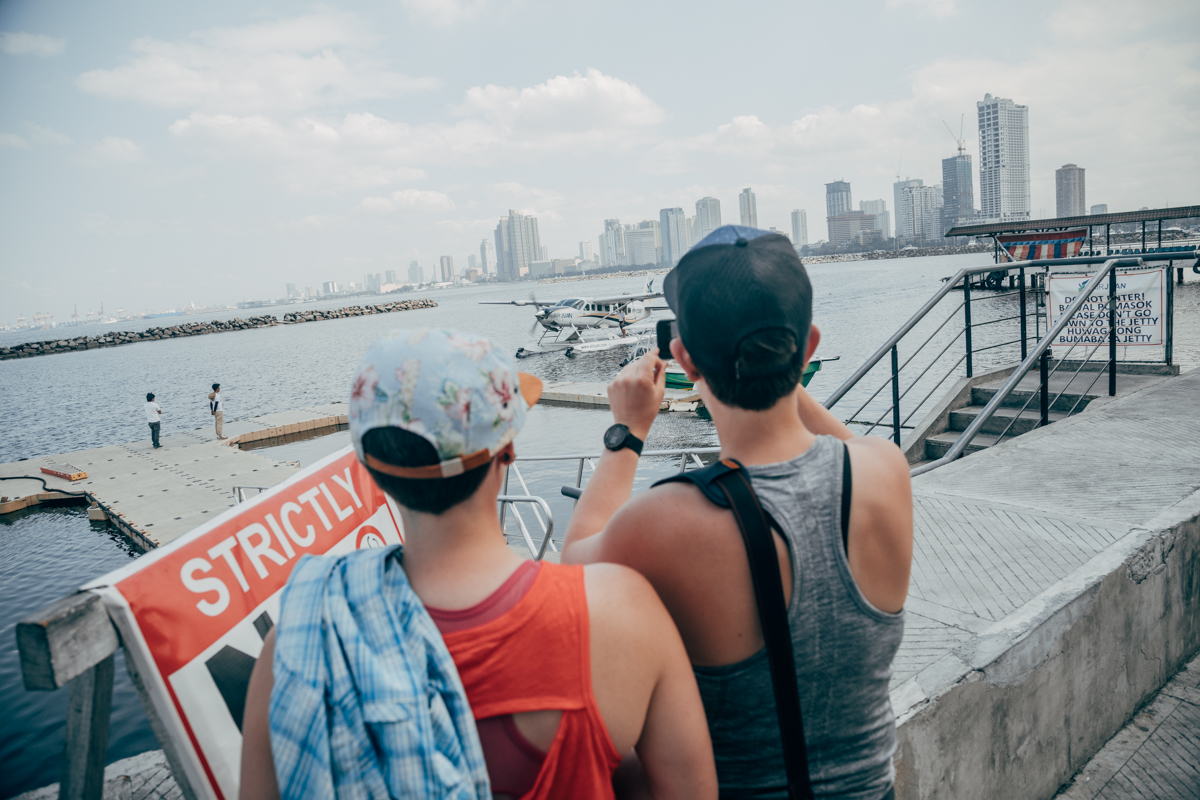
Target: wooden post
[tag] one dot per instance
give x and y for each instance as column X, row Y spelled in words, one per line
column 89, row 705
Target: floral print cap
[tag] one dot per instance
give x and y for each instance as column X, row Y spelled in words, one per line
column 457, row 390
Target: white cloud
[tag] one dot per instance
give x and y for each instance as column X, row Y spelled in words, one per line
column 114, row 148
column 289, row 65
column 932, row 8
column 12, row 140
column 30, row 44
column 444, row 12
column 48, row 135
column 408, row 200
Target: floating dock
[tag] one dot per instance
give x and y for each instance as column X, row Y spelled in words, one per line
column 596, row 394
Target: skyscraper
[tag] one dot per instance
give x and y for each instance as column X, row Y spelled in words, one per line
column 291, row 290
column 517, row 244
column 749, row 208
column 958, row 193
column 487, row 256
column 673, row 227
column 641, row 243
column 585, row 251
column 837, row 198
column 391, row 276
column 472, row 261
column 1003, row 159
column 415, row 273
column 919, row 209
column 883, row 218
column 1069, row 191
column 1101, row 208
column 708, row 217
column 612, row 244
column 799, row 227
column 837, row 203
column 904, row 223
column 446, row 268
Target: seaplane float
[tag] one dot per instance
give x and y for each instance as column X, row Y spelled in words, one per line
column 587, row 324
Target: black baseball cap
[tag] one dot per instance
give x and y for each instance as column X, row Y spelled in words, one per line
column 735, row 282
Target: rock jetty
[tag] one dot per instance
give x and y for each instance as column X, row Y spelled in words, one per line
column 44, row 348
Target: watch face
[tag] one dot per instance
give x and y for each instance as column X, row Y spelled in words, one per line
column 615, row 436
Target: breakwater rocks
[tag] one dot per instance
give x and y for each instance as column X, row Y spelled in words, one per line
column 49, row 347
column 357, row 311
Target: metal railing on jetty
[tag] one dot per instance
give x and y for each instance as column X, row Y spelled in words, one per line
column 948, row 360
column 544, row 515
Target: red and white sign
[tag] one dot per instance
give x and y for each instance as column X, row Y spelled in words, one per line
column 193, row 613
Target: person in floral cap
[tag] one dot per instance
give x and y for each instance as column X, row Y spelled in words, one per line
column 577, row 679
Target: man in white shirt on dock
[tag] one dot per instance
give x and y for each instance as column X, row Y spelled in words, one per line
column 215, row 408
column 153, row 412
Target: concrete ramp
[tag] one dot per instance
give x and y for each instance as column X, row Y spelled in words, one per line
column 1055, row 589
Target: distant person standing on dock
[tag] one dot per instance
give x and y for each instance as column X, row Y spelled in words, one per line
column 567, row 669
column 153, row 412
column 216, row 409
column 743, row 304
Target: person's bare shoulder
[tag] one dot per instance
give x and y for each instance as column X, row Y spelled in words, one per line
column 880, row 465
column 656, row 523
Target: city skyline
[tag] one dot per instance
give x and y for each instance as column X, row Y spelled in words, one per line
column 212, row 152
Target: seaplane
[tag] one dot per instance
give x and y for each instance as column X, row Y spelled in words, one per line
column 587, row 324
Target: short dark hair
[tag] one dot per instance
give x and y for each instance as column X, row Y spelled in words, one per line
column 769, row 365
column 405, row 449
column 149, row 396
column 216, row 386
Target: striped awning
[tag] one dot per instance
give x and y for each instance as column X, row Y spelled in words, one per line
column 1050, row 244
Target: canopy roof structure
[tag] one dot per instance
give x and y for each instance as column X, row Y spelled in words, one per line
column 1060, row 223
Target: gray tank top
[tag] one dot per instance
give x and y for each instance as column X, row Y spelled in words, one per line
column 843, row 649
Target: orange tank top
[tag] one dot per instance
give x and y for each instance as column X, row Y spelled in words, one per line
column 538, row 657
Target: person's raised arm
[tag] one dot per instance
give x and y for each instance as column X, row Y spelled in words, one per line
column 818, row 419
column 635, row 397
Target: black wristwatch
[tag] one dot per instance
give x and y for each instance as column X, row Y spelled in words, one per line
column 618, row 437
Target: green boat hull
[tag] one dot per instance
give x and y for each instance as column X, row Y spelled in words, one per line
column 677, row 380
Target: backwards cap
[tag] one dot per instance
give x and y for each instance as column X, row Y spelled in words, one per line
column 456, row 390
column 735, row 282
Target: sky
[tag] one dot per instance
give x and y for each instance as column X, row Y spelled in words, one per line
column 154, row 154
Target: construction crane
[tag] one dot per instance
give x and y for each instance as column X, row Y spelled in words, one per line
column 959, row 139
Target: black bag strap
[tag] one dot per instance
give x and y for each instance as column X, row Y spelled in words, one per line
column 772, row 614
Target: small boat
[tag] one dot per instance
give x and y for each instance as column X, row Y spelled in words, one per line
column 677, row 379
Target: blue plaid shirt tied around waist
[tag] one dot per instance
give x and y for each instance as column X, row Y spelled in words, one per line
column 367, row 701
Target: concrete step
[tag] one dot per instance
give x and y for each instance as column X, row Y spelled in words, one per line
column 1027, row 421
column 940, row 444
column 981, row 395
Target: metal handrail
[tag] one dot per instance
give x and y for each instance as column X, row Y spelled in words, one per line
column 239, row 492
column 536, row 551
column 960, row 444
column 953, row 281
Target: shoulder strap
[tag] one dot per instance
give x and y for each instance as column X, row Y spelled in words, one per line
column 704, row 480
column 846, row 487
column 772, row 613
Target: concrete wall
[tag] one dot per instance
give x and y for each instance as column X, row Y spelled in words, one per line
column 1043, row 690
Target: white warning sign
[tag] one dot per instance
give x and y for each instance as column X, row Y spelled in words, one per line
column 193, row 614
column 1141, row 298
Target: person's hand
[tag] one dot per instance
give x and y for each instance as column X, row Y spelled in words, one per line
column 637, row 393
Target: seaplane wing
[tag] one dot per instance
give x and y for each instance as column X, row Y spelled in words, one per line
column 625, row 298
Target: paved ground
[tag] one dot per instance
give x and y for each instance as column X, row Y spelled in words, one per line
column 162, row 494
column 1157, row 755
column 999, row 527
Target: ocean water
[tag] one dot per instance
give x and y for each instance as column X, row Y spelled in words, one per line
column 44, row 555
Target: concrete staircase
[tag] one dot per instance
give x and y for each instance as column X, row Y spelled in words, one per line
column 935, row 435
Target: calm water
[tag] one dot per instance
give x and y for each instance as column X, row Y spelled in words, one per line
column 93, row 398
column 77, row 400
column 44, row 555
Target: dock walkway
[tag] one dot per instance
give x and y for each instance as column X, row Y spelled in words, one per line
column 1055, row 584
